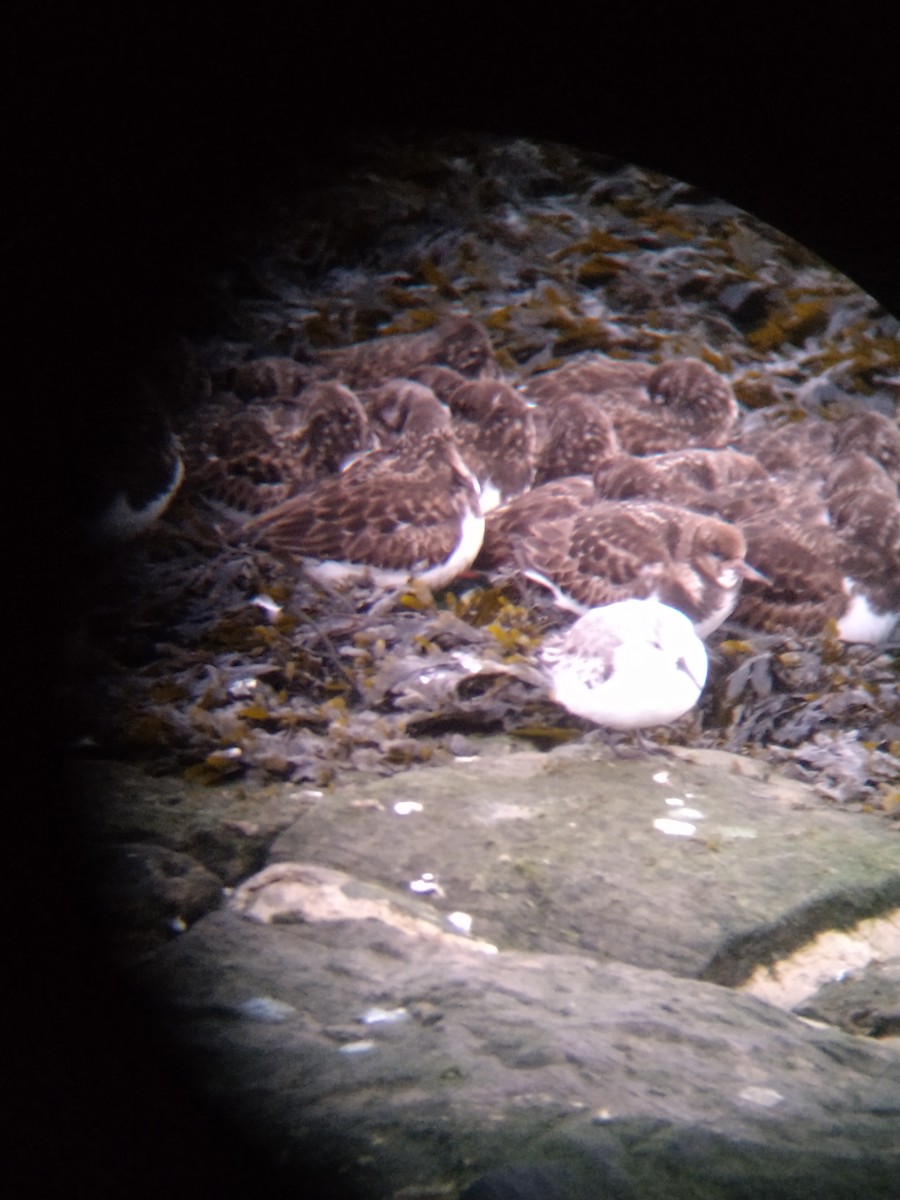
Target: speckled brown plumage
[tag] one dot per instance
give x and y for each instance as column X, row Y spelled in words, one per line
column 594, row 553
column 862, row 501
column 494, row 430
column 576, row 435
column 334, row 427
column 392, row 514
column 457, row 342
column 803, row 588
column 693, row 478
column 387, row 407
column 589, row 375
column 652, row 409
column 865, row 513
column 828, row 546
column 798, row 500
column 442, row 380
column 492, row 425
column 557, row 499
column 234, row 465
column 248, row 459
column 815, row 442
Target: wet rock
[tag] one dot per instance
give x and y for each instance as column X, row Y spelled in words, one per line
column 151, row 894
column 705, row 865
column 536, row 1181
column 506, row 975
column 864, row 1002
column 227, row 827
column 654, row 1080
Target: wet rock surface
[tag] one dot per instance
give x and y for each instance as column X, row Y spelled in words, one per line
column 589, row 851
column 574, row 1032
column 866, row 1001
column 404, row 1062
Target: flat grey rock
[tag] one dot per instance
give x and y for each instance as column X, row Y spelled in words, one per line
column 525, row 975
column 401, row 1056
column 704, row 865
column 865, row 1002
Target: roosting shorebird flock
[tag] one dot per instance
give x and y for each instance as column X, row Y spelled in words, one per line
column 637, row 497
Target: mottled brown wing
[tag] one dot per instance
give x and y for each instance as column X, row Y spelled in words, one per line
column 870, row 554
column 617, row 544
column 232, row 460
column 579, row 435
column 798, row 499
column 688, row 478
column 443, row 381
column 589, row 374
column 732, row 467
column 495, row 433
column 459, row 342
column 805, row 583
column 365, row 521
column 684, row 404
column 545, row 507
column 865, row 512
column 464, row 346
column 801, row 446
column 629, row 477
column 388, row 407
column 862, row 502
column 406, row 528
column 335, row 427
column 706, row 468
column 643, row 430
column 876, row 435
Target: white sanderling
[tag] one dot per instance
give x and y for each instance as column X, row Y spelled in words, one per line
column 627, row 665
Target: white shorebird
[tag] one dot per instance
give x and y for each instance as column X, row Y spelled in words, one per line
column 627, row 665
